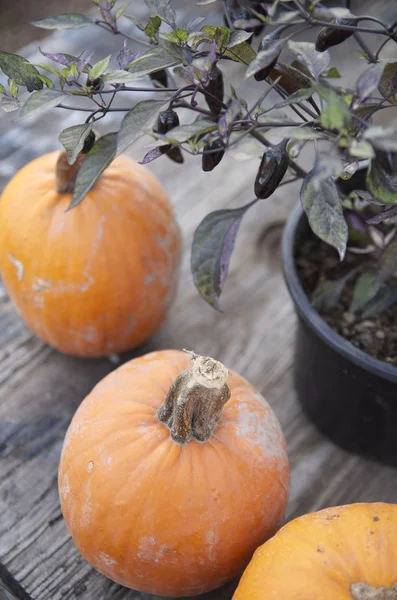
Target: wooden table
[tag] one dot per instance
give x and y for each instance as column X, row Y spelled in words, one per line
column 40, row 388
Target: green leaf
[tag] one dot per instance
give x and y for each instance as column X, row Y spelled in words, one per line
column 335, row 113
column 332, row 73
column 383, row 138
column 388, row 84
column 18, row 68
column 322, row 204
column 242, row 53
column 316, row 62
column 73, row 138
column 301, row 133
column 137, row 23
column 265, row 58
column 9, row 104
column 221, row 35
column 95, row 162
column 212, row 248
column 379, row 184
column 47, row 81
column 64, row 21
column 13, row 88
column 298, row 96
column 2, row 89
column 361, row 149
column 152, row 28
column 327, row 294
column 141, row 115
column 120, row 11
column 365, row 290
column 182, row 133
column 99, row 68
column 42, row 101
column 153, row 60
column 384, row 299
column 388, row 262
column 162, row 9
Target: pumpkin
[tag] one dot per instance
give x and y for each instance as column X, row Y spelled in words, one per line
column 172, row 472
column 343, row 553
column 98, row 279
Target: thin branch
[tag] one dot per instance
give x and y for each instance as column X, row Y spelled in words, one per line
column 371, row 57
column 140, row 89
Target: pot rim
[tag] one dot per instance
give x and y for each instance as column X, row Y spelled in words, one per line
column 312, row 318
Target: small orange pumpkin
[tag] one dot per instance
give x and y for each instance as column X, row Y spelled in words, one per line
column 170, row 477
column 98, row 279
column 343, row 553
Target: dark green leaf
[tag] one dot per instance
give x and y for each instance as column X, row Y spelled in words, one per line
column 264, row 58
column 181, row 54
column 162, row 9
column 388, row 262
column 379, row 184
column 132, row 127
column 2, row 89
column 73, row 138
column 64, row 21
column 212, row 248
column 242, row 53
column 327, row 294
column 365, row 290
column 42, row 101
column 316, row 62
column 322, row 204
column 153, row 60
column 9, row 104
column 99, row 68
column 335, row 113
column 388, row 82
column 384, row 299
column 95, row 162
column 20, row 70
column 368, row 81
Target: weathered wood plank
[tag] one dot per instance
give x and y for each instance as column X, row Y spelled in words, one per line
column 40, row 388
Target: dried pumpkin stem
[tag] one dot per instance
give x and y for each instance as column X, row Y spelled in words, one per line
column 194, row 403
column 363, row 591
column 66, row 174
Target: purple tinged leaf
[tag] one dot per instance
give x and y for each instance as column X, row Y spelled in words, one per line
column 126, row 56
column 322, row 204
column 151, row 155
column 388, row 262
column 369, row 80
column 212, row 248
column 63, row 59
column 327, row 294
column 384, row 299
column 389, row 213
column 226, row 121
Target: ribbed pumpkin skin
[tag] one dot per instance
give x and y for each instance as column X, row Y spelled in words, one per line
column 320, row 555
column 160, row 517
column 98, row 279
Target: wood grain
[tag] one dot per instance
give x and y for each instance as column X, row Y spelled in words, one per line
column 40, row 389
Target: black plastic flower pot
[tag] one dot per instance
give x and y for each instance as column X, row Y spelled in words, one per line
column 349, row 395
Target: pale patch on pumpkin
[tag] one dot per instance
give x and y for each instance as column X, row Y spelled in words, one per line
column 90, row 466
column 18, row 266
column 261, row 433
column 38, row 301
column 150, row 551
column 41, row 285
column 64, row 488
column 106, row 559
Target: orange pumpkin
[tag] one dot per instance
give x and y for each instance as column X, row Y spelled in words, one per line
column 170, row 477
column 343, row 553
column 98, row 279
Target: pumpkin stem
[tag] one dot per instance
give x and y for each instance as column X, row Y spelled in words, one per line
column 363, row 591
column 194, row 403
column 66, row 174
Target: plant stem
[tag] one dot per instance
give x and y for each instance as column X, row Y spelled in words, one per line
column 371, row 57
